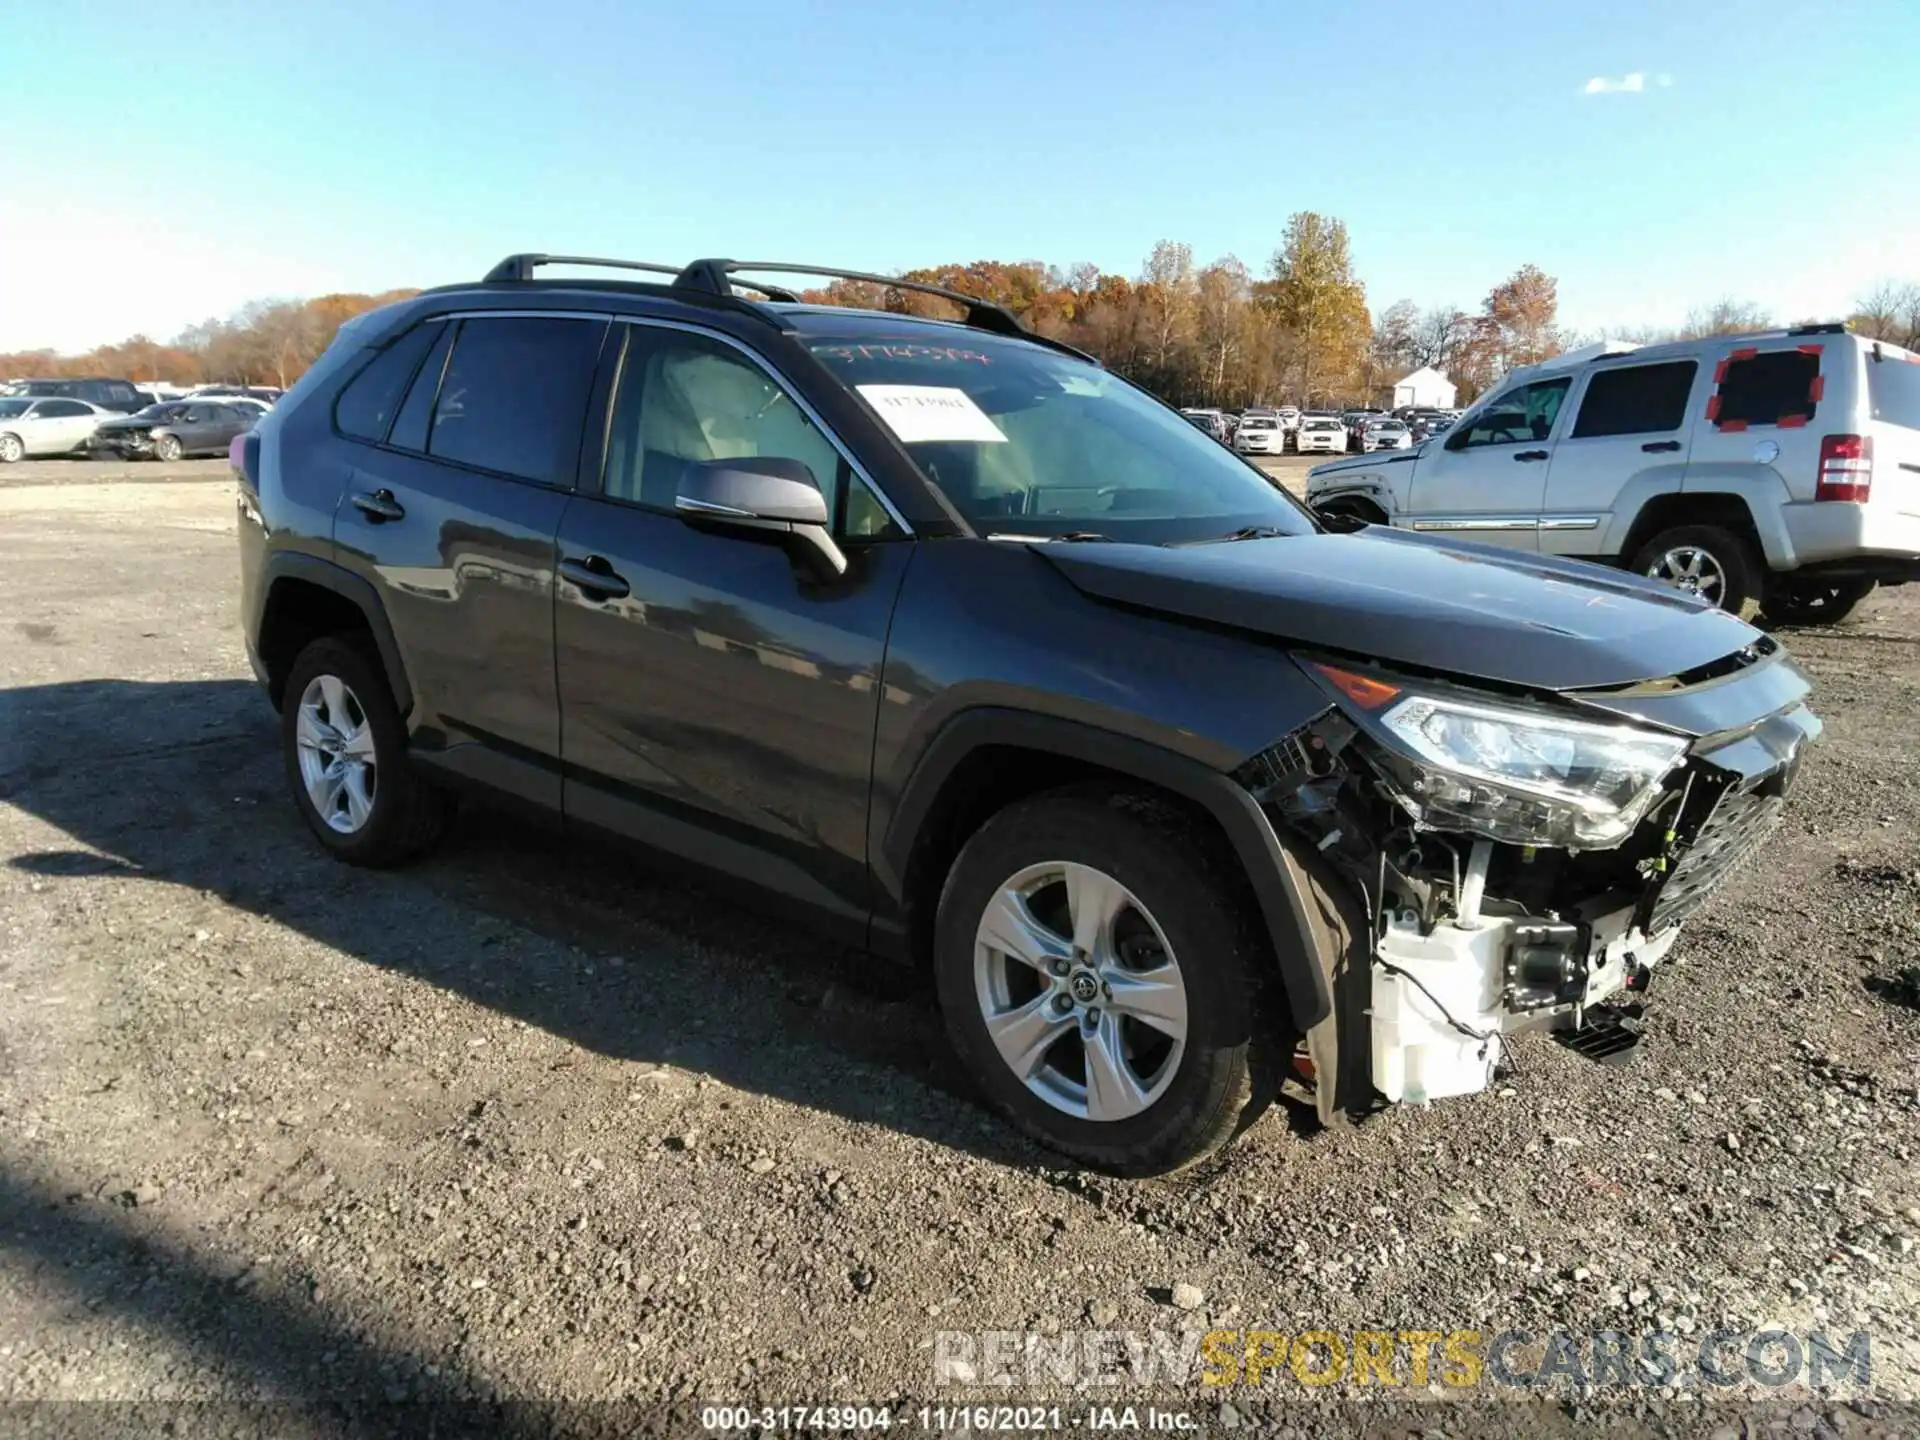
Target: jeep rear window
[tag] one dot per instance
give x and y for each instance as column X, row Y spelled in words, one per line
column 1763, row 388
column 1053, row 446
column 1636, row 400
column 1893, row 387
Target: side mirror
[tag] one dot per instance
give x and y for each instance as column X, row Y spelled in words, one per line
column 768, row 494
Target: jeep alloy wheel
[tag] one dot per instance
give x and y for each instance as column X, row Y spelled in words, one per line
column 1080, row 991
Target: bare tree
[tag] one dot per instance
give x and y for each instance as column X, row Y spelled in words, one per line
column 1726, row 316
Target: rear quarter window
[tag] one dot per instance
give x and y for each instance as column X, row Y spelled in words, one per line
column 1893, row 388
column 367, row 405
column 1766, row 387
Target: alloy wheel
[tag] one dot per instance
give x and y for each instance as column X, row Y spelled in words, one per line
column 1691, row 568
column 1080, row 991
column 337, row 762
column 11, row 449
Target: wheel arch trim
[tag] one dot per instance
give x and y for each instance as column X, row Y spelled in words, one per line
column 357, row 591
column 1274, row 876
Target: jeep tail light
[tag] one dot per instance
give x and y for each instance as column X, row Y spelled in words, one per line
column 1846, row 468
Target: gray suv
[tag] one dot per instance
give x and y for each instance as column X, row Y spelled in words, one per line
column 947, row 640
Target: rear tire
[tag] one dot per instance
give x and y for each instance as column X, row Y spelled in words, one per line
column 1809, row 603
column 345, row 748
column 1711, row 561
column 1173, row 910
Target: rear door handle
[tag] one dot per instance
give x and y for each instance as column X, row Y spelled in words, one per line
column 595, row 576
column 1530, row 454
column 1654, row 447
column 379, row 506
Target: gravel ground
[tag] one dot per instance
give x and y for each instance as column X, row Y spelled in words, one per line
column 535, row 1119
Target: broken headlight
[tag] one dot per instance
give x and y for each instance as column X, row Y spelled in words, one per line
column 1528, row 777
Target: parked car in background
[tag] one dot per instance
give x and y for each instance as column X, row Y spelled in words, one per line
column 52, row 426
column 1289, row 417
column 1388, row 434
column 1320, row 434
column 1429, row 426
column 267, row 395
column 176, row 430
column 117, row 395
column 1777, row 471
column 1260, row 435
column 1211, row 421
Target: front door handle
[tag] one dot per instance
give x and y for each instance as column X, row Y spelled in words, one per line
column 379, row 506
column 1530, row 454
column 1654, row 447
column 596, row 577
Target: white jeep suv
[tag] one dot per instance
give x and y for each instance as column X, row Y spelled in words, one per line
column 1776, row 470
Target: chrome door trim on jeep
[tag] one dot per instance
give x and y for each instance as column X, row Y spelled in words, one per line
column 830, row 682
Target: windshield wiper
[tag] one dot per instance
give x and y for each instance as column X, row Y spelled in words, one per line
column 1072, row 537
column 1246, row 532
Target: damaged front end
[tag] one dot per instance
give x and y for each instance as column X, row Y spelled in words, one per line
column 1526, row 862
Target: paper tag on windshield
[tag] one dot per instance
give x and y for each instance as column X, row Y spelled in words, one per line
column 931, row 412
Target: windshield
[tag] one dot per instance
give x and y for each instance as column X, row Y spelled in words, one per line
column 13, row 409
column 1256, row 424
column 1319, row 424
column 159, row 412
column 1023, row 440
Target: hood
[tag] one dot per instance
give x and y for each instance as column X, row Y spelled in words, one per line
column 1364, row 462
column 1453, row 606
column 132, row 422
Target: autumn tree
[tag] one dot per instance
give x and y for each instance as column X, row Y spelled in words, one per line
column 1220, row 328
column 1315, row 296
column 1519, row 317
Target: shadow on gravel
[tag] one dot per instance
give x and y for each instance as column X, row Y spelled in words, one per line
column 180, row 783
column 313, row 1372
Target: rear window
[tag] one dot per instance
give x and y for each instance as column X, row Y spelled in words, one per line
column 514, row 397
column 1636, row 400
column 1767, row 387
column 1893, row 388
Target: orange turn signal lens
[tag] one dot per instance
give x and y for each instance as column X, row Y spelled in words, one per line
column 1363, row 690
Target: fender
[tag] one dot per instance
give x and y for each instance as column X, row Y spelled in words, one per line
column 1633, row 497
column 298, row 565
column 1766, row 496
column 1277, row 879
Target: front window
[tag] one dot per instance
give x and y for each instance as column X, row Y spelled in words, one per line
column 1522, row 415
column 1026, row 441
column 14, row 409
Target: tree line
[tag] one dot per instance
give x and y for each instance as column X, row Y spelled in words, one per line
column 1300, row 331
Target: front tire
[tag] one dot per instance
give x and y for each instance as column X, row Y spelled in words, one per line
column 1100, row 979
column 1710, row 561
column 12, row 450
column 1811, row 603
column 345, row 748
column 168, row 447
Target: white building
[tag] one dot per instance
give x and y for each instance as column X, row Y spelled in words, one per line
column 1424, row 387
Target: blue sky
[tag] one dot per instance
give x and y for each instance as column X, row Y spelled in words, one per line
column 161, row 164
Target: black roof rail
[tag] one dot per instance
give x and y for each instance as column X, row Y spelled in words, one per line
column 521, row 267
column 714, row 276
column 1832, row 327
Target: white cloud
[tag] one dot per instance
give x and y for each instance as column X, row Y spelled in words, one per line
column 1629, row 84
